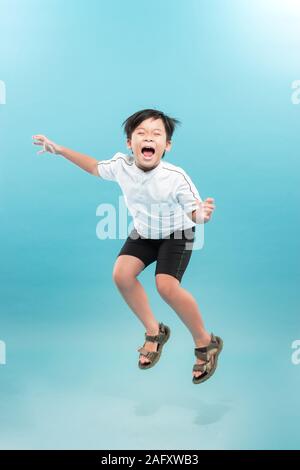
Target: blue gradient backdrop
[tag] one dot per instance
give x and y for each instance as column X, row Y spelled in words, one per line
column 74, row 70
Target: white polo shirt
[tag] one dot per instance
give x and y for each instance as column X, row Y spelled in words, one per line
column 158, row 199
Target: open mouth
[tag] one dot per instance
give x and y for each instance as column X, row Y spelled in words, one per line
column 148, row 151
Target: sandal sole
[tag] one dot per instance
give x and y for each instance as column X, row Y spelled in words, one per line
column 155, row 361
column 208, row 376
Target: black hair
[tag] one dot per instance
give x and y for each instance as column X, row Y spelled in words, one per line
column 133, row 121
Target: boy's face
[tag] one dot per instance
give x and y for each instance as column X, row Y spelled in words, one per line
column 150, row 133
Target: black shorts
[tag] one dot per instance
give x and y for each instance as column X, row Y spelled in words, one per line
column 172, row 253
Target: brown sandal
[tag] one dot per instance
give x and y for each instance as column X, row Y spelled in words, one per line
column 209, row 354
column 153, row 356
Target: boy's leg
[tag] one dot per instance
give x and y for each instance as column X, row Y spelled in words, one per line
column 173, row 258
column 125, row 272
column 186, row 307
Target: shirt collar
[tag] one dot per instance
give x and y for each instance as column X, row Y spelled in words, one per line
column 149, row 172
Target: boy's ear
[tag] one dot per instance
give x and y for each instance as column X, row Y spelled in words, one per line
column 129, row 143
column 168, row 145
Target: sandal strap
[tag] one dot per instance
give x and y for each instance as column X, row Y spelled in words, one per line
column 201, row 355
column 199, row 367
column 157, row 338
column 206, row 357
column 205, row 353
column 206, row 367
column 148, row 354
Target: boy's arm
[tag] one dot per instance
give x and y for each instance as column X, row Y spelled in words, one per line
column 85, row 162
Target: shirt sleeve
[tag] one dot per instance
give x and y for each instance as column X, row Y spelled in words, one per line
column 187, row 193
column 108, row 169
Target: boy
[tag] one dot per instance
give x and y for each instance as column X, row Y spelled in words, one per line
column 162, row 236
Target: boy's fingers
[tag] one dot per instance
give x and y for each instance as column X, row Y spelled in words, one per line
column 39, row 138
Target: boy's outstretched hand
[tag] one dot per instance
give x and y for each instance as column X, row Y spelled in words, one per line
column 48, row 145
column 209, row 207
column 206, row 209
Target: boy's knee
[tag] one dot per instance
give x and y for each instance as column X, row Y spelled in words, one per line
column 118, row 276
column 166, row 286
column 122, row 278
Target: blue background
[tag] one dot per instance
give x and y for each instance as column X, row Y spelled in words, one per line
column 74, row 70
